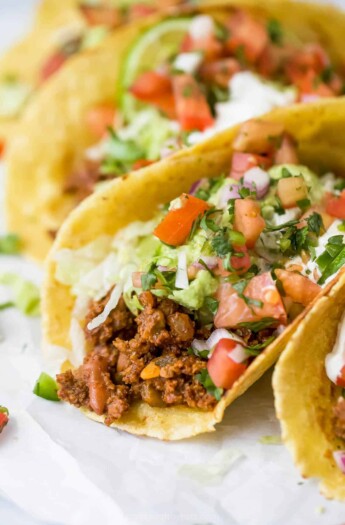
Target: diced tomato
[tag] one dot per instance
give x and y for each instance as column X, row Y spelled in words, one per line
column 142, row 163
column 341, row 378
column 335, row 206
column 101, row 15
column 247, row 34
column 273, row 59
column 99, row 118
column 290, row 190
column 286, row 153
column 52, row 65
column 258, row 136
column 238, row 263
column 312, row 58
column 150, row 85
column 223, row 370
column 211, row 48
column 248, row 220
column 177, row 224
column 242, row 162
column 219, row 71
column 310, row 85
column 233, row 310
column 156, row 89
column 192, row 109
column 140, row 10
column 298, row 287
column 2, row 147
column 3, row 420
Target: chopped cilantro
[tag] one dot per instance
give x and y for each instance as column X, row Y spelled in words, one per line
column 275, row 32
column 303, row 204
column 206, row 223
column 281, row 226
column 327, row 74
column 204, row 378
column 211, row 304
column 200, row 353
column 220, row 243
column 256, row 349
column 340, row 185
column 257, row 326
column 8, row 304
column 332, row 259
column 149, row 279
column 315, row 223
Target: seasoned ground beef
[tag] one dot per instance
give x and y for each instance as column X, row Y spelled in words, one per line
column 339, row 418
column 115, row 372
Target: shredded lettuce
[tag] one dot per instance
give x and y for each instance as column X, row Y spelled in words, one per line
column 150, row 131
column 9, row 244
column 26, row 295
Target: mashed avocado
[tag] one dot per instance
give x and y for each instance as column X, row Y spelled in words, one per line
column 194, row 296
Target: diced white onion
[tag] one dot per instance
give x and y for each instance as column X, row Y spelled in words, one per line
column 258, row 177
column 188, row 62
column 111, row 304
column 339, row 458
column 181, row 280
column 238, row 354
column 199, row 345
column 230, row 191
column 201, row 27
column 219, row 334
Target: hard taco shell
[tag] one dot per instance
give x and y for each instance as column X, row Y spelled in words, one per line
column 321, row 145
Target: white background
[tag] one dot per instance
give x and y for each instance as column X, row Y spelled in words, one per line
column 57, row 468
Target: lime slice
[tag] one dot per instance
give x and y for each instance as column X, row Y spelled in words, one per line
column 152, row 48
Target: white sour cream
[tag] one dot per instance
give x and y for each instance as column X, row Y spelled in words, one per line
column 336, row 359
column 250, row 96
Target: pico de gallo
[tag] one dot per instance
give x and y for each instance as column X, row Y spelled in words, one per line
column 4, row 417
column 173, row 311
column 217, row 73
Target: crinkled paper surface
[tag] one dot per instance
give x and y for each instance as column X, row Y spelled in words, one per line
column 59, row 468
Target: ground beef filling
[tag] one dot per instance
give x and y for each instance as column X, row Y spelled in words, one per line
column 339, row 418
column 115, row 372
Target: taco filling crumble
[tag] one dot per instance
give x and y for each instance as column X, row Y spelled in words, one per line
column 219, row 71
column 173, row 311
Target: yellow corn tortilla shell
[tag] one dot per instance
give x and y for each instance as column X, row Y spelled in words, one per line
column 53, row 132
column 24, row 60
column 305, row 397
column 321, row 144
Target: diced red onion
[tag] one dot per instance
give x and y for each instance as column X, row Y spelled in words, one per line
column 195, row 186
column 238, row 354
column 339, row 458
column 210, row 262
column 257, row 179
column 228, row 192
column 181, row 280
column 162, row 268
column 169, row 148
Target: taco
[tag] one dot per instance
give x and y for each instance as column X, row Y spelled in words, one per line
column 61, row 30
column 173, row 289
column 309, row 386
column 165, row 101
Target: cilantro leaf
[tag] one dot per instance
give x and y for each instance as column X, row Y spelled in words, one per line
column 257, row 326
column 275, row 31
column 256, row 349
column 204, row 378
column 220, row 243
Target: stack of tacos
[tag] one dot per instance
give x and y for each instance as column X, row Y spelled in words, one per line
column 203, row 239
